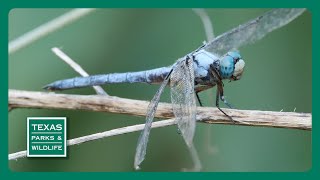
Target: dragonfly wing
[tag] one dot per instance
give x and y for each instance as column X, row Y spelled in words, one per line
column 253, row 30
column 183, row 98
column 144, row 136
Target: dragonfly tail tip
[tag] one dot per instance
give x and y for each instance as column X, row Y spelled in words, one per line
column 47, row 87
column 50, row 87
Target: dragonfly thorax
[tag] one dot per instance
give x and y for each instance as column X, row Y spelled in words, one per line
column 231, row 66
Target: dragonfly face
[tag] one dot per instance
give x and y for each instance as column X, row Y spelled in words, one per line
column 231, row 66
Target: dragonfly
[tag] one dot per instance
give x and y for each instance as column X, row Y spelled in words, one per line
column 204, row 68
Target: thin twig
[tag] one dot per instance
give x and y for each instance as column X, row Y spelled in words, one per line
column 208, row 28
column 207, row 24
column 47, row 28
column 96, row 136
column 32, row 99
column 76, row 67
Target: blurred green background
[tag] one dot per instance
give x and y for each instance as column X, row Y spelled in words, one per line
column 277, row 76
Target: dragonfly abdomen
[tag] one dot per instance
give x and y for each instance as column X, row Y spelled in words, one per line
column 153, row 76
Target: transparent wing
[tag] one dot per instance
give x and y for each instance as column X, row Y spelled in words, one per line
column 252, row 30
column 183, row 98
column 144, row 136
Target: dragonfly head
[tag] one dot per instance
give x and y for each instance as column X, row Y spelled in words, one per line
column 232, row 66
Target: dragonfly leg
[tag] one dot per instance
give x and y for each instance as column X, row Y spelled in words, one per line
column 198, row 98
column 223, row 99
column 215, row 74
column 226, row 102
column 218, row 95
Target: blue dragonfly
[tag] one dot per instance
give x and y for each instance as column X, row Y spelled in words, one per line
column 202, row 69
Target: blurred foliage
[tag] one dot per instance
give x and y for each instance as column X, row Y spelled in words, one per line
column 278, row 76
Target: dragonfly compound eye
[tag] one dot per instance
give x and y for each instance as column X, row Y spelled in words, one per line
column 226, row 67
column 234, row 54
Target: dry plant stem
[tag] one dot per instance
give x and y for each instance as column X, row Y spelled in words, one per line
column 29, row 99
column 47, row 28
column 208, row 28
column 76, row 67
column 92, row 137
column 206, row 23
column 44, row 100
